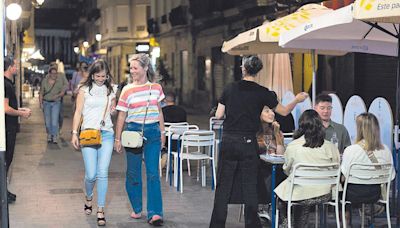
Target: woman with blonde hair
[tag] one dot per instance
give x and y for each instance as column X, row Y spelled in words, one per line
column 368, row 140
column 139, row 108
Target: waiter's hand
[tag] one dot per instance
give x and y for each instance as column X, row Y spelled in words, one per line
column 300, row 97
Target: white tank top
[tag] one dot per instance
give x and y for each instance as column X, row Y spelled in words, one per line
column 94, row 106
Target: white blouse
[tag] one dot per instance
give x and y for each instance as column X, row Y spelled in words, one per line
column 94, row 106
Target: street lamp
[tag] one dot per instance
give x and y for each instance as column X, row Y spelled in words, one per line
column 98, row 37
column 85, row 44
column 13, row 11
column 76, row 50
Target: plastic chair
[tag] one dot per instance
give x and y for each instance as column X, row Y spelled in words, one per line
column 216, row 125
column 311, row 174
column 166, row 127
column 361, row 173
column 200, row 139
column 175, row 132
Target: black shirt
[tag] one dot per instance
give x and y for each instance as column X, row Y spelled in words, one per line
column 174, row 114
column 244, row 102
column 9, row 92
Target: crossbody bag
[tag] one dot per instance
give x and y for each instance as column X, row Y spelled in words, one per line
column 90, row 136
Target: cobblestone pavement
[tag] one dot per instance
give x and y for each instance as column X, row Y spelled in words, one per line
column 48, row 181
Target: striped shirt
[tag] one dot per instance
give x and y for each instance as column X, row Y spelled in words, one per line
column 133, row 99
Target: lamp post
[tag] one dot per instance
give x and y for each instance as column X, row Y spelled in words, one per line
column 98, row 39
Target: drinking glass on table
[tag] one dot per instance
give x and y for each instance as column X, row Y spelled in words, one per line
column 268, row 141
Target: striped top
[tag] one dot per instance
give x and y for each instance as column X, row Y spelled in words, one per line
column 133, row 99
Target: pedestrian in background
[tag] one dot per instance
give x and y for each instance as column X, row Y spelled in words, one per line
column 12, row 112
column 80, row 75
column 94, row 104
column 242, row 102
column 60, row 76
column 132, row 107
column 52, row 90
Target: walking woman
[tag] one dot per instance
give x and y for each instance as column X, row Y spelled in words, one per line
column 242, row 102
column 51, row 91
column 134, row 111
column 94, row 104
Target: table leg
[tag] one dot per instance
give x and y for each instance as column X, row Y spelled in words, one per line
column 273, row 202
column 170, row 161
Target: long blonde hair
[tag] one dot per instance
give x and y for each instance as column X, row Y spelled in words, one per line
column 368, row 132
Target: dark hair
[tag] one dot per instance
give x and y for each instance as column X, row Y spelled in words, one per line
column 310, row 125
column 252, row 64
column 96, row 67
column 8, row 62
column 323, row 98
column 52, row 68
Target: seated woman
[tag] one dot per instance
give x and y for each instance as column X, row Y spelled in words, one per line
column 308, row 146
column 270, row 140
column 368, row 140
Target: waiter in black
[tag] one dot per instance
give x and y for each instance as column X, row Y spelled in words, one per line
column 12, row 112
column 241, row 103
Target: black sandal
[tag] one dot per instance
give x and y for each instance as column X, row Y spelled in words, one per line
column 88, row 209
column 101, row 221
column 157, row 222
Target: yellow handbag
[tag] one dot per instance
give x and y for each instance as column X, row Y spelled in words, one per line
column 91, row 137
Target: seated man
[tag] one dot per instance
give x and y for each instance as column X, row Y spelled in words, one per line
column 172, row 114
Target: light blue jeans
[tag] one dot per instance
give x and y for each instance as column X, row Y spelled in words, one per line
column 151, row 153
column 51, row 116
column 97, row 160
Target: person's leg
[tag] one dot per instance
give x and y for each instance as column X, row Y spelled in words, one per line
column 55, row 114
column 248, row 167
column 225, row 176
column 61, row 115
column 103, row 161
column 10, row 147
column 133, row 182
column 90, row 155
column 47, row 118
column 151, row 152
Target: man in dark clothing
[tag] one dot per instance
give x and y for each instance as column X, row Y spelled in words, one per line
column 12, row 112
column 172, row 114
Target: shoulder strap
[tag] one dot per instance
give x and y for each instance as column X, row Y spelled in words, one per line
column 102, row 123
column 370, row 154
column 45, row 93
column 147, row 108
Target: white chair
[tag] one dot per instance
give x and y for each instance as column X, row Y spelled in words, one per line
column 361, row 173
column 216, row 125
column 311, row 174
column 175, row 132
column 287, row 138
column 200, row 139
column 166, row 127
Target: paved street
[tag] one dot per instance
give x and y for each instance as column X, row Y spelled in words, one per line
column 48, row 181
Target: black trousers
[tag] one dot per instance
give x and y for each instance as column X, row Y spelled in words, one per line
column 10, row 147
column 237, row 180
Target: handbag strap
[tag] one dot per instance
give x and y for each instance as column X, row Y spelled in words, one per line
column 147, row 108
column 370, row 154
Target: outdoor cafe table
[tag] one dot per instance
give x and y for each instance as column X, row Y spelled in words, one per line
column 274, row 161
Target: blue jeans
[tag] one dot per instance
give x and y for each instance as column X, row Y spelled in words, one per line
column 97, row 160
column 51, row 115
column 151, row 153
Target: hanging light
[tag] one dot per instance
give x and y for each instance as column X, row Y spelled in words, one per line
column 13, row 11
column 40, row 2
column 85, row 44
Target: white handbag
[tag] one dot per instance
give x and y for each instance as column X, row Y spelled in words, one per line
column 132, row 139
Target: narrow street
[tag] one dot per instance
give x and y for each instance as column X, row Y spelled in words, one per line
column 48, row 181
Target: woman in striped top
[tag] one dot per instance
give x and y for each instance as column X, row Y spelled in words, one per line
column 132, row 113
